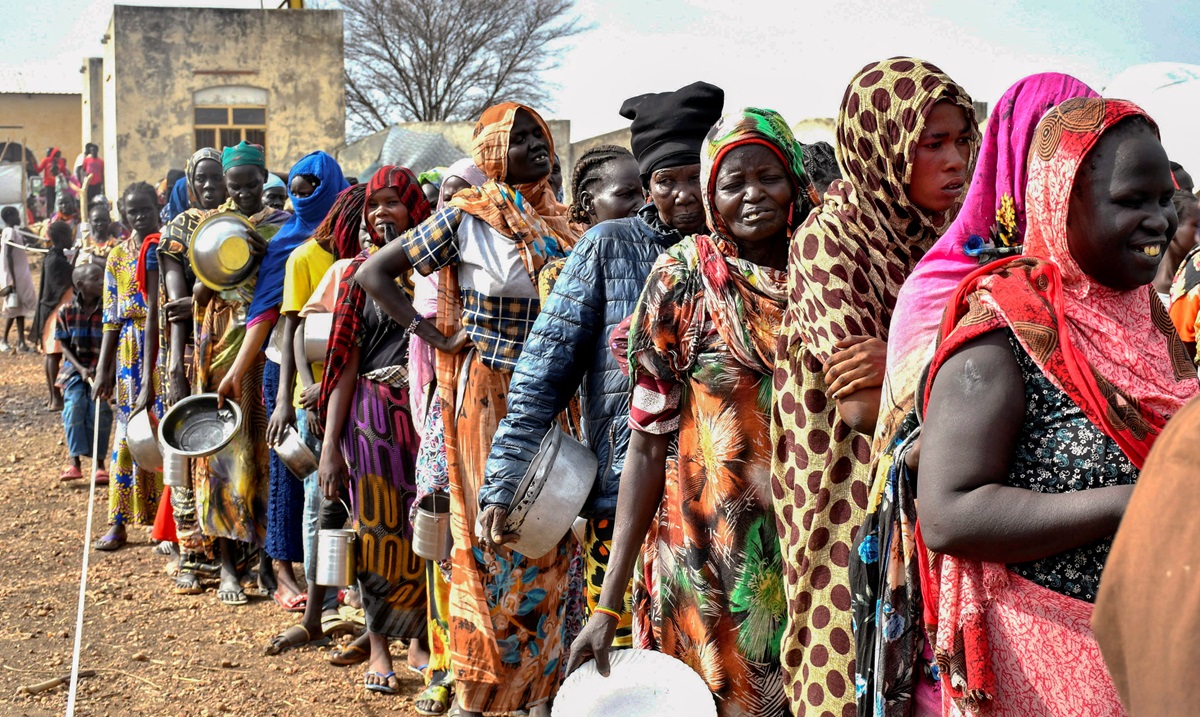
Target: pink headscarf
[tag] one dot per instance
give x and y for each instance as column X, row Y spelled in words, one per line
column 997, row 186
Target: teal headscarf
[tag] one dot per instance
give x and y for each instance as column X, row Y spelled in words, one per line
column 243, row 154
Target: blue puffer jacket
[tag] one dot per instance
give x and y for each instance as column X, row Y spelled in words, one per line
column 567, row 351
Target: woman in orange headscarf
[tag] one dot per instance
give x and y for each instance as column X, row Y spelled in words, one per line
column 489, row 244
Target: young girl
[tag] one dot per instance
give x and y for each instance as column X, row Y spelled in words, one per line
column 133, row 496
column 16, row 283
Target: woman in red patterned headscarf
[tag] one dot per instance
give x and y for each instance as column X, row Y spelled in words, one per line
column 1055, row 373
column 370, row 443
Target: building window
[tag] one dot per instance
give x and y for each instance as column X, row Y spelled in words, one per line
column 222, row 127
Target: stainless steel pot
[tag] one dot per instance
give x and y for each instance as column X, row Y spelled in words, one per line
column 141, row 435
column 431, row 528
column 196, row 428
column 551, row 494
column 175, row 469
column 220, row 251
column 298, row 458
column 317, row 329
column 336, row 563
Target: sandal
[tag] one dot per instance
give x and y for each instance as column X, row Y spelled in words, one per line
column 296, row 603
column 292, row 637
column 110, row 543
column 351, row 655
column 386, row 688
column 418, row 671
column 438, row 696
column 187, row 583
column 334, row 626
column 71, row 473
column 101, row 477
column 233, row 598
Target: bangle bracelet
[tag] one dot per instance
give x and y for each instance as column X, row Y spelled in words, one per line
column 605, row 611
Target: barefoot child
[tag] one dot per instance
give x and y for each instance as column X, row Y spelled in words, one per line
column 80, row 330
column 55, row 293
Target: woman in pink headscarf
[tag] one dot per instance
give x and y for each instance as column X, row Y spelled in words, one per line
column 893, row 661
column 991, row 225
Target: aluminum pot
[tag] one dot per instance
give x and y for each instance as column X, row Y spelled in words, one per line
column 317, row 329
column 298, row 457
column 141, row 435
column 175, row 469
column 336, row 564
column 431, row 528
column 551, row 494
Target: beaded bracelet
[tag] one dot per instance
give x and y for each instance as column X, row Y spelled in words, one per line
column 413, row 326
column 605, row 611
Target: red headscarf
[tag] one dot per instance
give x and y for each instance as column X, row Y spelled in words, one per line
column 347, row 317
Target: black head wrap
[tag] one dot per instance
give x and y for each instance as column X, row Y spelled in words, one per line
column 669, row 127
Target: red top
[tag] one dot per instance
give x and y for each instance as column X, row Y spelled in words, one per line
column 93, row 166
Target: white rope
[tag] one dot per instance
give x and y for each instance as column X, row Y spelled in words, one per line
column 26, row 247
column 87, row 544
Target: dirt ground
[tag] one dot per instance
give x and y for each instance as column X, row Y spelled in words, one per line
column 154, row 653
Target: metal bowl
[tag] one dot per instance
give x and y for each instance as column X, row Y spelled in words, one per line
column 141, row 435
column 196, row 428
column 298, row 458
column 220, row 251
column 317, row 330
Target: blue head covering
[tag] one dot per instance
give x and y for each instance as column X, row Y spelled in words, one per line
column 309, row 211
column 273, row 181
column 178, row 202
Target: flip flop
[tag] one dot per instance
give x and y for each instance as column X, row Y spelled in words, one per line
column 187, row 583
column 233, row 598
column 351, row 655
column 334, row 626
column 295, row 603
column 71, row 473
column 101, row 477
column 289, row 638
column 418, row 671
column 385, row 688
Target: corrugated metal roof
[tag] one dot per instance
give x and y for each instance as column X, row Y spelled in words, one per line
column 14, row 81
column 419, row 151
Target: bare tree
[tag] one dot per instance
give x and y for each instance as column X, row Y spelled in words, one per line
column 438, row 60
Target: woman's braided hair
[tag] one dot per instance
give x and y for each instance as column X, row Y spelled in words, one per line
column 587, row 171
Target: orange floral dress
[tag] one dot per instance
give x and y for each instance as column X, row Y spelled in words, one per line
column 701, row 346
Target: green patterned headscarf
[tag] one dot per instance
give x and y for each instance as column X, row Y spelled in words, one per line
column 751, row 125
column 243, row 154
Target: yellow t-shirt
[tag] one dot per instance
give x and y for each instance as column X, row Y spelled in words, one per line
column 305, row 267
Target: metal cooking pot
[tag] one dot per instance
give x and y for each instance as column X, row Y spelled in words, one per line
column 141, row 435
column 317, row 329
column 298, row 457
column 431, row 528
column 551, row 494
column 175, row 469
column 336, row 564
column 196, row 428
column 220, row 251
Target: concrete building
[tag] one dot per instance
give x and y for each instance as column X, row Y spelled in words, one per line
column 176, row 79
column 41, row 120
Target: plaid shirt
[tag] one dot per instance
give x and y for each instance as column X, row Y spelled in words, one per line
column 81, row 331
column 497, row 325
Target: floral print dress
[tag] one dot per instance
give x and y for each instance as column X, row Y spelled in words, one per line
column 718, row 602
column 134, row 493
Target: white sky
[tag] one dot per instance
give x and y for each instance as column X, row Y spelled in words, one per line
column 794, row 56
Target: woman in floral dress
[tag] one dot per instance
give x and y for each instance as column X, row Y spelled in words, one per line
column 701, row 355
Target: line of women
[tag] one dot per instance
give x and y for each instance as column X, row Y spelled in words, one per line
column 764, row 356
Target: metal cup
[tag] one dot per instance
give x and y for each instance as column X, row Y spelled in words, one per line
column 431, row 528
column 175, row 468
column 336, row 564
